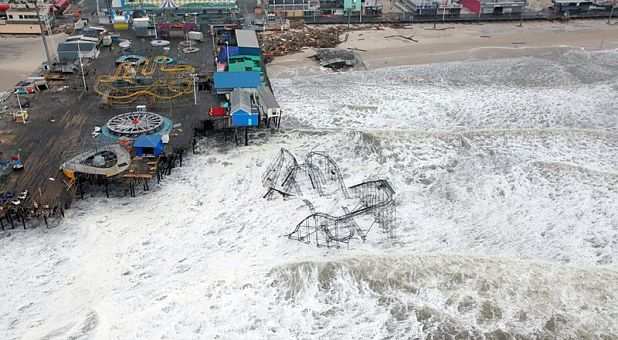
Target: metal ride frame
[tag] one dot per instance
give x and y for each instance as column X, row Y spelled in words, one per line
column 153, row 79
column 133, row 124
column 374, row 199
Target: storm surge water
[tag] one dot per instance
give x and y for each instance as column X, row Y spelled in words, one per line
column 506, row 185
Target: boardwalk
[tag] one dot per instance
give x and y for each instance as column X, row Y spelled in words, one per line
column 62, row 120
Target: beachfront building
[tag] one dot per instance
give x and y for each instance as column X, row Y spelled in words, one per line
column 424, row 7
column 22, row 19
column 72, row 50
column 226, row 82
column 242, row 112
column 86, row 45
column 267, row 105
column 205, row 11
column 495, row 6
column 247, row 42
column 292, row 8
column 174, row 4
column 567, row 7
column 316, row 8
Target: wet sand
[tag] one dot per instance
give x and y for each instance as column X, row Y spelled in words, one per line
column 385, row 47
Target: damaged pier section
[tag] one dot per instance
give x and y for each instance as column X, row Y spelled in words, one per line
column 123, row 114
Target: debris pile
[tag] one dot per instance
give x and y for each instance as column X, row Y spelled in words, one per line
column 66, row 28
column 337, row 59
column 283, row 43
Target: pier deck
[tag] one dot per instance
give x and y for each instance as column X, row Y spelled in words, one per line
column 62, row 120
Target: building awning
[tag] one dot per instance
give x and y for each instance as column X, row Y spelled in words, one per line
column 72, row 46
column 147, row 141
column 267, row 97
column 233, row 80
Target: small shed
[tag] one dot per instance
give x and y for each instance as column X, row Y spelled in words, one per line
column 247, row 42
column 148, row 145
column 267, row 103
column 241, row 111
column 226, row 82
column 71, row 50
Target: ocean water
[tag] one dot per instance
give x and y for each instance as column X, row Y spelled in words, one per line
column 506, row 185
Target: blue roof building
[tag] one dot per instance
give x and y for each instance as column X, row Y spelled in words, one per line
column 148, row 145
column 226, row 82
column 242, row 112
column 226, row 51
column 247, row 42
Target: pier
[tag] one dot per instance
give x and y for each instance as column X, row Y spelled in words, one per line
column 64, row 121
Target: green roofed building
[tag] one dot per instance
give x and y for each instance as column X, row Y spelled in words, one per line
column 245, row 63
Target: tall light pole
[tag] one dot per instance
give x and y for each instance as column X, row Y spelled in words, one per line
column 480, row 8
column 194, row 77
column 521, row 18
column 435, row 15
column 81, row 65
column 444, row 10
column 227, row 53
column 19, row 102
column 38, row 17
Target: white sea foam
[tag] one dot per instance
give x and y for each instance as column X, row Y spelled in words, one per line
column 507, row 209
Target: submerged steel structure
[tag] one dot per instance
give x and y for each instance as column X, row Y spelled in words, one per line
column 371, row 200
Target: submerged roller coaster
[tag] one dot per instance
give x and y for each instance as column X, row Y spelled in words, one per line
column 372, row 201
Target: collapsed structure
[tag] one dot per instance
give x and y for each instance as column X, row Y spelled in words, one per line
column 366, row 204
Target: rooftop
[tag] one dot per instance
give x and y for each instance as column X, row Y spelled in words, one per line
column 231, row 80
column 246, row 38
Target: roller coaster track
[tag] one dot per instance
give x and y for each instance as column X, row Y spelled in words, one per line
column 175, row 80
column 373, row 195
column 373, row 198
column 319, row 167
column 281, row 171
column 328, row 166
column 149, row 67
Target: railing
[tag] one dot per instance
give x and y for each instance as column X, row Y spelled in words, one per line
column 430, row 18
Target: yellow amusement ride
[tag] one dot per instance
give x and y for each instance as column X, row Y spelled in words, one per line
column 146, row 80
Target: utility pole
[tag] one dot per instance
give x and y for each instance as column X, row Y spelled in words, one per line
column 38, row 17
column 480, row 10
column 435, row 15
column 521, row 18
column 195, row 78
column 81, row 65
column 19, row 102
column 444, row 10
column 227, row 54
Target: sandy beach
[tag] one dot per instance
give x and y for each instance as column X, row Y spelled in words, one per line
column 385, row 48
column 22, row 55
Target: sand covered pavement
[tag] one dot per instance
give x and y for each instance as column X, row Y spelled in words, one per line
column 22, row 55
column 385, row 47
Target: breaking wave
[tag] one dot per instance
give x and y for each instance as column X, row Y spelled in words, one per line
column 441, row 296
